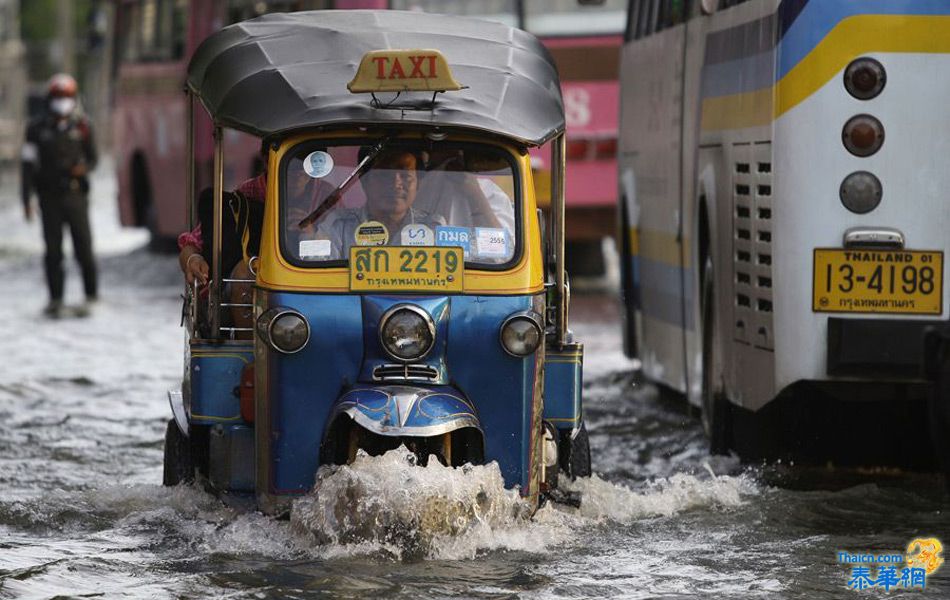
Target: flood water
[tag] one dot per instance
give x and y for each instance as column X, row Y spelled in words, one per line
column 83, row 512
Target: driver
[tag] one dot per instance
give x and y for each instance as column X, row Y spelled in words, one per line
column 390, row 186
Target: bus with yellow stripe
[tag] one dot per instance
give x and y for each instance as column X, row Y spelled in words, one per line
column 782, row 175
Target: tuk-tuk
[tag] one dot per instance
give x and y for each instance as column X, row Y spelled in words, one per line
column 404, row 287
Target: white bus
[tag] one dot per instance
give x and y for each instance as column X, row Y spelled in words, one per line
column 780, row 253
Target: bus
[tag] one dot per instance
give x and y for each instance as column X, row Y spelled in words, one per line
column 781, row 256
column 155, row 38
column 12, row 86
column 154, row 42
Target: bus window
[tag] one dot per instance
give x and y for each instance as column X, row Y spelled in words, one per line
column 566, row 17
column 242, row 10
column 502, row 11
column 152, row 30
column 633, row 12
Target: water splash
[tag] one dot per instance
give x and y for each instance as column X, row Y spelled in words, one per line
column 388, row 504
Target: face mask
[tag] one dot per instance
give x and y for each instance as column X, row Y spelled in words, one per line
column 62, row 106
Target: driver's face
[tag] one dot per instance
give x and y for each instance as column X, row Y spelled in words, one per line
column 391, row 186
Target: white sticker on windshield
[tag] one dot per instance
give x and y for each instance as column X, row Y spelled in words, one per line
column 318, row 164
column 417, row 235
column 314, row 248
column 491, row 242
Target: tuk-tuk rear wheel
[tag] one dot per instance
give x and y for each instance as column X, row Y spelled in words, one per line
column 179, row 466
column 574, row 454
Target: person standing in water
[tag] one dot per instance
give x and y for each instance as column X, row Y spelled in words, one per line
column 57, row 156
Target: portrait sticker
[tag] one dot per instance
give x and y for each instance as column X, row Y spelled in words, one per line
column 371, row 233
column 318, row 164
column 454, row 236
column 314, row 248
column 491, row 242
column 417, row 235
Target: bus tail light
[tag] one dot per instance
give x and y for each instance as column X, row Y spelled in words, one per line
column 864, row 78
column 576, row 149
column 863, row 135
column 606, row 148
column 860, row 192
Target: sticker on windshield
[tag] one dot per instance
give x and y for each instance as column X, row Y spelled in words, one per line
column 314, row 248
column 491, row 242
column 318, row 164
column 417, row 235
column 371, row 233
column 454, row 236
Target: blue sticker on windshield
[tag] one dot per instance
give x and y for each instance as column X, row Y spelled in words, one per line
column 454, row 236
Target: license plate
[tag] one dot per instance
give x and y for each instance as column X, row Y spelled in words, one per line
column 406, row 268
column 878, row 281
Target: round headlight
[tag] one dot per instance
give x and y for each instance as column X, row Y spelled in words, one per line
column 407, row 332
column 520, row 335
column 863, row 135
column 289, row 332
column 864, row 78
column 860, row 192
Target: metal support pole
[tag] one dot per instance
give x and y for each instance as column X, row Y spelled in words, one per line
column 216, row 242
column 190, row 160
column 558, row 166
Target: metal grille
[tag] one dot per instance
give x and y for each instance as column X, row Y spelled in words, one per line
column 407, row 372
column 752, row 242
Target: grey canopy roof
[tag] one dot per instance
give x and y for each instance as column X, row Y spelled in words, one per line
column 287, row 71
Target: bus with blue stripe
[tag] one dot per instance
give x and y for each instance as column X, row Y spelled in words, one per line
column 783, row 224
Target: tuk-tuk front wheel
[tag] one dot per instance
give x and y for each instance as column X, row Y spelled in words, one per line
column 574, row 454
column 179, row 463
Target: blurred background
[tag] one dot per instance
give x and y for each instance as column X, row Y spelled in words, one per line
column 130, row 57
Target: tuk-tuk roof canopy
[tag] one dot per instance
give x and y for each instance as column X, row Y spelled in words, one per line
column 287, row 71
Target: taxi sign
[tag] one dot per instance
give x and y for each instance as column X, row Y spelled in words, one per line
column 403, row 71
column 406, row 269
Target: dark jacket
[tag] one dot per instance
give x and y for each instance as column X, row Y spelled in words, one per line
column 51, row 150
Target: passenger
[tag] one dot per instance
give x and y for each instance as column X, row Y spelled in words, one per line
column 463, row 198
column 391, row 186
column 191, row 258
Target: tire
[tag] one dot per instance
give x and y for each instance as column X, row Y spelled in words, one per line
column 627, row 291
column 938, row 408
column 716, row 414
column 574, row 454
column 179, row 466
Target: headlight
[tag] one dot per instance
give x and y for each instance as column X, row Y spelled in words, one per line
column 860, row 192
column 521, row 334
column 284, row 330
column 406, row 332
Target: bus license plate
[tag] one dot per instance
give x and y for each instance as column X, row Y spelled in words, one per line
column 878, row 281
column 406, row 268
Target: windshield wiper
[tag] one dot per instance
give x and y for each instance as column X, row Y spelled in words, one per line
column 331, row 200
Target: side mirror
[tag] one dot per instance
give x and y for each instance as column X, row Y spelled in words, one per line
column 709, row 6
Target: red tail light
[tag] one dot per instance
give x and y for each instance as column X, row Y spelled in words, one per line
column 605, row 148
column 576, row 149
column 863, row 135
column 246, row 393
column 864, row 78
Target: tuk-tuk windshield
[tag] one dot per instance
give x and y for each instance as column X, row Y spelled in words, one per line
column 424, row 194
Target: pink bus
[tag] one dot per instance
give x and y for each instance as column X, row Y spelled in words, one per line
column 155, row 39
